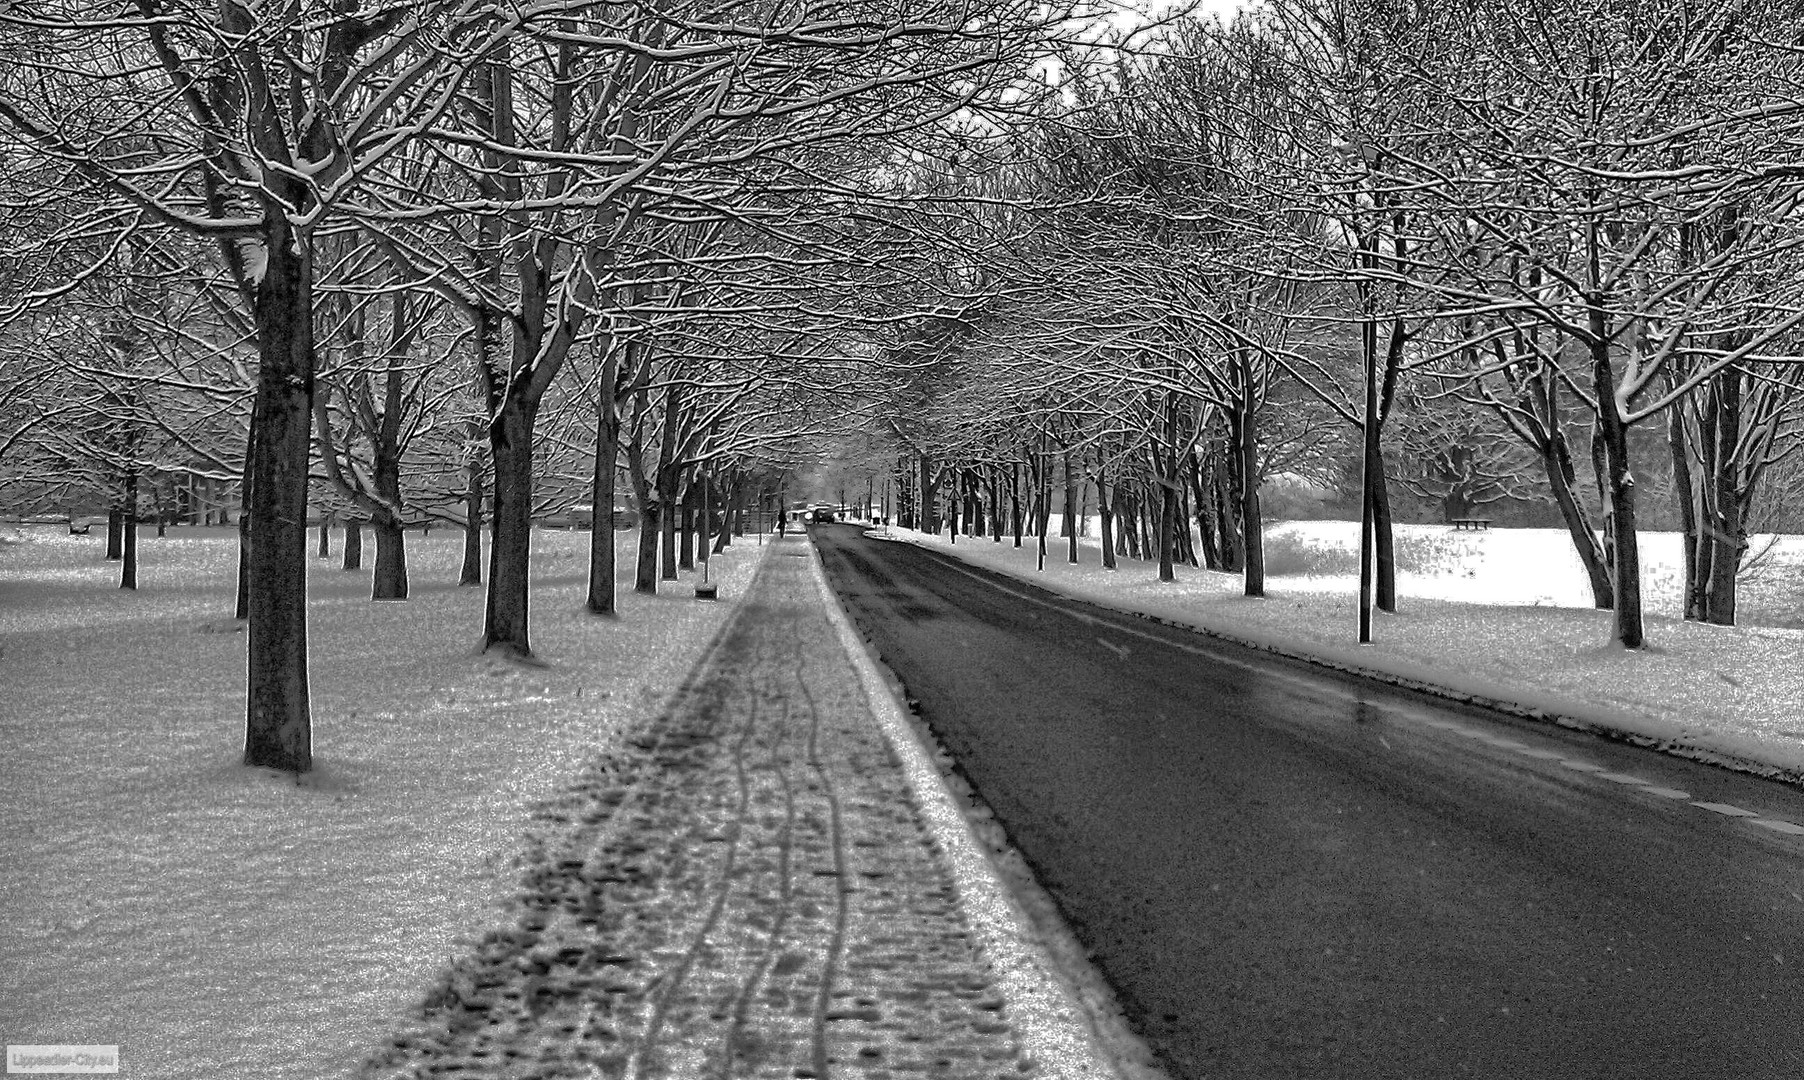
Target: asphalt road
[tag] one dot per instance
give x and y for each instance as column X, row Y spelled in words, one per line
column 1286, row 873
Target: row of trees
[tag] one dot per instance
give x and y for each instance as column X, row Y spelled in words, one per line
column 412, row 259
column 1479, row 250
column 409, row 235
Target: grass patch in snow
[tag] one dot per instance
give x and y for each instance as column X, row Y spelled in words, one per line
column 1304, row 549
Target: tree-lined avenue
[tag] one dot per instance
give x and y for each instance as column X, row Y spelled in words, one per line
column 1288, row 873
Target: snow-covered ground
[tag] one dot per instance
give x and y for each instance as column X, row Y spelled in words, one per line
column 1502, row 614
column 222, row 922
column 219, row 922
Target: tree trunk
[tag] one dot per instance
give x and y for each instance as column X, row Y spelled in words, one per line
column 1186, row 546
column 1125, row 541
column 1042, row 507
column 929, row 511
column 471, row 571
column 115, row 533
column 1070, row 511
column 669, row 480
column 1387, row 546
column 506, row 617
column 1556, row 460
column 1600, row 472
column 278, row 720
column 1168, row 529
column 1224, row 503
column 128, row 546
column 389, row 582
column 1252, row 521
column 1106, row 512
column 1621, row 485
column 1371, row 469
column 1685, row 500
column 242, row 606
column 601, row 599
column 1204, row 508
column 353, row 544
column 1016, row 515
column 667, row 531
column 686, row 530
column 1728, row 521
column 645, row 568
column 998, row 522
column 729, row 510
column 325, row 538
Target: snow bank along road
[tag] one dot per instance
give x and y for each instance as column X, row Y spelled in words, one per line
column 1289, row 873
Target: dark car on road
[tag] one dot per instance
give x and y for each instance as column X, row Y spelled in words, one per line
column 822, row 516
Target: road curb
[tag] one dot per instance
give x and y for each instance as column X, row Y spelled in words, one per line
column 1055, row 1030
column 1574, row 721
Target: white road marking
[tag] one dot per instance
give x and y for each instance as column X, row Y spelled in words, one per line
column 1623, row 778
column 1580, row 766
column 1776, row 825
column 1118, row 650
column 1724, row 809
column 1544, row 755
column 1668, row 793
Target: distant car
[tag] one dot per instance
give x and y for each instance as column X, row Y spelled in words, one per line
column 822, row 516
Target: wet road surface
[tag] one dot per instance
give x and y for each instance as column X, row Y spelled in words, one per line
column 1289, row 873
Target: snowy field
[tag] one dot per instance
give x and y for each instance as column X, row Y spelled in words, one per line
column 222, row 922
column 1504, row 614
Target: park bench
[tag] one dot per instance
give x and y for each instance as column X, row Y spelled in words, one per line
column 1473, row 523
